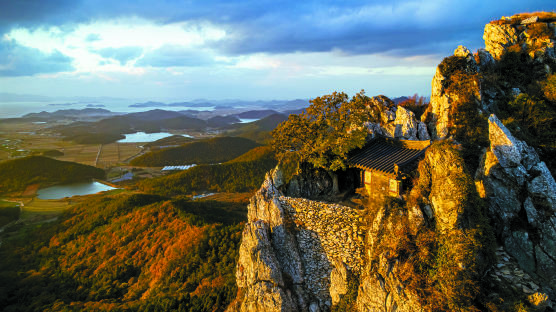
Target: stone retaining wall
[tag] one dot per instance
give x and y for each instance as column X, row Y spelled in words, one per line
column 336, row 226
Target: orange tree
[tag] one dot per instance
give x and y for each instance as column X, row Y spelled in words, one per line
column 331, row 127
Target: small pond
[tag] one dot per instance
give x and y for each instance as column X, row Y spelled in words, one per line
column 146, row 137
column 68, row 190
column 248, row 120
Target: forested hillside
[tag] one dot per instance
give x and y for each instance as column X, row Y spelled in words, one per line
column 126, row 252
column 209, row 151
column 18, row 173
column 243, row 174
column 259, row 131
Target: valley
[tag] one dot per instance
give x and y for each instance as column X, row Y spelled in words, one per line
column 142, row 195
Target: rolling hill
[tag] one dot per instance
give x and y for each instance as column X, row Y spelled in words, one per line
column 258, row 131
column 209, row 151
column 112, row 129
column 242, row 174
column 19, row 173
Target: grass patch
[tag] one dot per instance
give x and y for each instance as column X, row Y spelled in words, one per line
column 9, row 212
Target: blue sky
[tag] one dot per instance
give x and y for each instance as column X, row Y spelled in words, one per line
column 183, row 50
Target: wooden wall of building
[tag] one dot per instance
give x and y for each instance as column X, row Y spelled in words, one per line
column 379, row 186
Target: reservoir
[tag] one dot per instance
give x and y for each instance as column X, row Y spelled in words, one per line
column 68, row 190
column 146, row 137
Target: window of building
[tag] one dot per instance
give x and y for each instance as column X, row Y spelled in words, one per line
column 393, row 189
column 368, row 177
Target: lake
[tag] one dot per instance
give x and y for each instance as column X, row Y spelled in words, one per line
column 142, row 137
column 248, row 120
column 68, row 190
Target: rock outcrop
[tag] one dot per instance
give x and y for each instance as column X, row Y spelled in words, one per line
column 522, row 203
column 439, row 115
column 395, row 121
column 436, row 249
column 443, row 203
column 530, row 35
column 507, row 277
column 296, row 254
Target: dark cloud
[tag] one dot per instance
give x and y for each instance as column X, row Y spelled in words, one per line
column 169, row 56
column 17, row 60
column 33, row 13
column 356, row 27
column 122, row 55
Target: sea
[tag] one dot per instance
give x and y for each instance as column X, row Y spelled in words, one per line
column 18, row 109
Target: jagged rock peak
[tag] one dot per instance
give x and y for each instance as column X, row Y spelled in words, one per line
column 395, row 121
column 522, row 203
column 533, row 32
column 462, row 51
column 505, row 147
column 438, row 115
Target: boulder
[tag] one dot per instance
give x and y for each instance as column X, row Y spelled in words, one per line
column 438, row 117
column 405, row 124
column 395, row 121
column 464, row 52
column 522, row 203
column 498, row 38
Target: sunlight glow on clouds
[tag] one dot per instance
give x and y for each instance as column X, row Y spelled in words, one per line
column 105, row 45
column 246, row 49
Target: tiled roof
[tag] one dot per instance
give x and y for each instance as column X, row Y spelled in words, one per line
column 381, row 154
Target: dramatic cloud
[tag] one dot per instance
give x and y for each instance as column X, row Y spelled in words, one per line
column 221, row 47
column 289, row 26
column 115, row 45
column 16, row 60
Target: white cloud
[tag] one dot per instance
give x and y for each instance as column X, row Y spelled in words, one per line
column 181, row 59
column 131, row 32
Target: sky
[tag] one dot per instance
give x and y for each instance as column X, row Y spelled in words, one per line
column 184, row 50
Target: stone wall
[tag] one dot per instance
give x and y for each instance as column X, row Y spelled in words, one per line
column 337, row 227
column 296, row 254
column 330, row 236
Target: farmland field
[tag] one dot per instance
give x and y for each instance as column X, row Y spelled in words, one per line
column 22, row 139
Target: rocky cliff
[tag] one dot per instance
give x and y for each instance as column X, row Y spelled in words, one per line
column 451, row 77
column 522, row 203
column 492, row 74
column 436, row 238
column 534, row 33
column 296, row 254
column 460, row 240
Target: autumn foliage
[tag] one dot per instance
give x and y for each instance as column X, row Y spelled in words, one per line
column 126, row 252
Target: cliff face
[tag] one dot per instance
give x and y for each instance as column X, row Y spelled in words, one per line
column 443, row 96
column 435, row 249
column 435, row 239
column 531, row 36
column 303, row 255
column 296, row 254
column 522, row 203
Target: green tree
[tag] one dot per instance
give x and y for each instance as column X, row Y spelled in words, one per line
column 330, row 128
